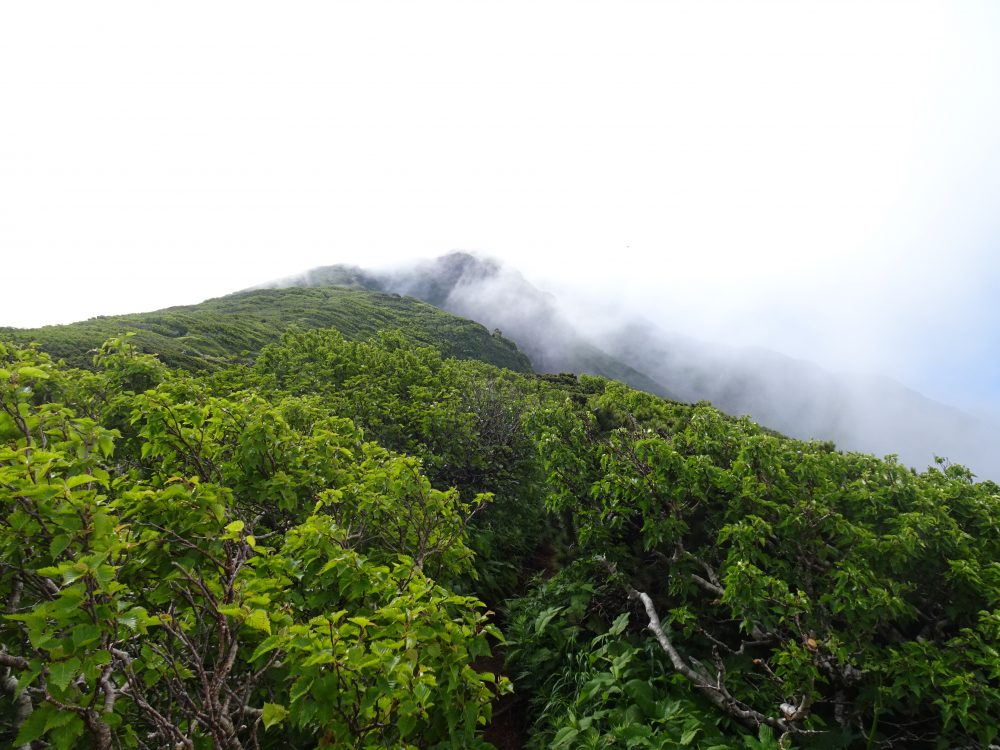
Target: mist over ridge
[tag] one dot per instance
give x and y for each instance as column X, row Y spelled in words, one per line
column 860, row 412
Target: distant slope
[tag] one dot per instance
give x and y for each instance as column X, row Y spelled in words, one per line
column 798, row 398
column 217, row 331
column 867, row 413
column 498, row 297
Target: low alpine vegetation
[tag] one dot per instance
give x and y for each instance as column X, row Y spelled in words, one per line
column 323, row 546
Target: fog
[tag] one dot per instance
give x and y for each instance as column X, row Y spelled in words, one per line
column 810, row 178
column 860, row 411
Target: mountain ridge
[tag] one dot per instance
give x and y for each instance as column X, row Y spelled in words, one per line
column 213, row 333
column 796, row 397
column 441, row 282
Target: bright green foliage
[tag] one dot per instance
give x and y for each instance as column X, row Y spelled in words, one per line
column 462, row 419
column 239, row 573
column 403, row 396
column 384, row 661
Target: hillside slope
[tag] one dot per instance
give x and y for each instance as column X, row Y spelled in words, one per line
column 213, row 333
column 868, row 413
column 498, row 297
column 798, row 398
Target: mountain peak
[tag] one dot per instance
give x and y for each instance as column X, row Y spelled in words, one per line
column 435, row 280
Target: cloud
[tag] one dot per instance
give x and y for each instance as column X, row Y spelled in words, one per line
column 599, row 335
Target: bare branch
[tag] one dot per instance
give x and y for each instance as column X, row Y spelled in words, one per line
column 716, row 692
column 13, row 662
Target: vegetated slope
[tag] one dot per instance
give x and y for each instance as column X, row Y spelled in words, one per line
column 295, row 553
column 866, row 413
column 218, row 331
column 796, row 397
column 499, row 297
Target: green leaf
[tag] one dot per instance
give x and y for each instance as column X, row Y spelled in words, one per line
column 34, row 726
column 406, row 724
column 130, row 621
column 235, row 527
column 274, row 713
column 79, row 479
column 267, row 645
column 641, row 693
column 85, row 634
column 258, row 620
column 28, row 677
column 32, row 372
column 59, row 719
column 545, row 617
column 619, row 625
column 106, row 445
column 66, row 735
column 58, row 544
column 564, row 736
column 61, row 673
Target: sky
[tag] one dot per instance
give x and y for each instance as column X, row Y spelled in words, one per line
column 820, row 178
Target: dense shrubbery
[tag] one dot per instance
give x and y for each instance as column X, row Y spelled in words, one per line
column 835, row 598
column 226, row 572
column 294, row 553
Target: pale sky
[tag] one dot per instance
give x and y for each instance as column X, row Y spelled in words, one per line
column 818, row 178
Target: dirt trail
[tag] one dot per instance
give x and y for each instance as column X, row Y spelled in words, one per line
column 509, row 728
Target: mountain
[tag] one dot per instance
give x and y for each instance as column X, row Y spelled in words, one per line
column 499, row 297
column 858, row 412
column 215, row 332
